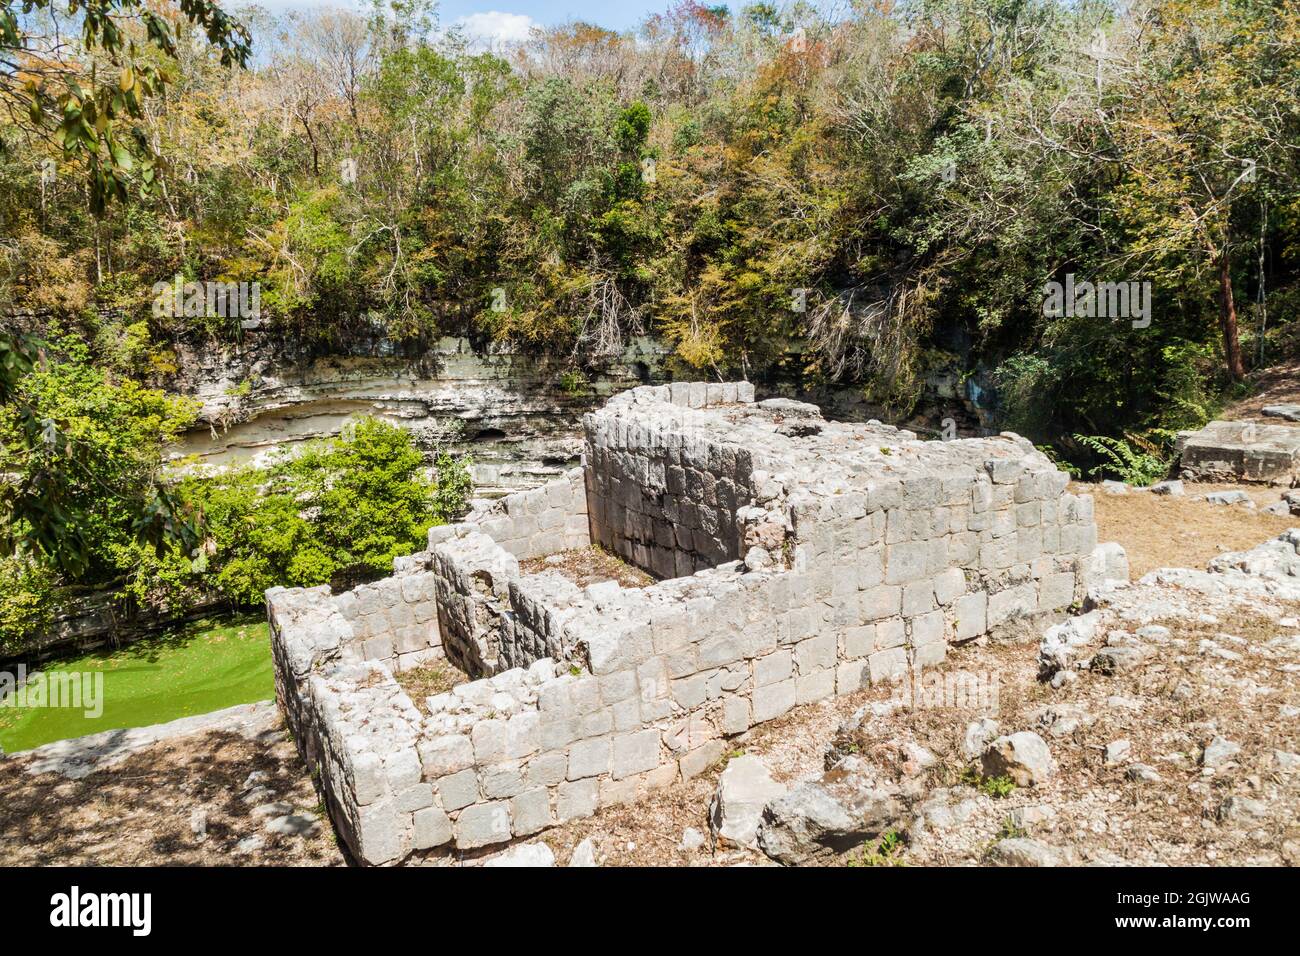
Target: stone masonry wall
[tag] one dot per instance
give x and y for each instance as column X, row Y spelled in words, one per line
column 659, row 499
column 852, row 554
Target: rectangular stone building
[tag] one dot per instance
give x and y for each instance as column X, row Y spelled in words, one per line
column 794, row 559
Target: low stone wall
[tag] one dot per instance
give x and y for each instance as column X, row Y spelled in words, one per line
column 1240, row 451
column 530, row 524
column 395, row 620
column 854, row 553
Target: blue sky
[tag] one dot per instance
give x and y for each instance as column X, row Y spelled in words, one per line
column 510, row 19
column 612, row 14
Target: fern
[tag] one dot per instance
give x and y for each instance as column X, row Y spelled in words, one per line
column 1132, row 459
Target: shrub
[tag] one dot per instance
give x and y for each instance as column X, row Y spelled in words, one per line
column 1133, row 459
column 338, row 512
column 27, row 590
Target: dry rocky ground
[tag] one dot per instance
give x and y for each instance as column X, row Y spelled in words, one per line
column 1169, row 731
column 219, row 798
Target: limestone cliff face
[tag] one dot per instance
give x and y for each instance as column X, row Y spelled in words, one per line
column 511, row 411
column 515, row 413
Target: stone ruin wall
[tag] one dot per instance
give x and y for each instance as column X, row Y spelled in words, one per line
column 831, row 576
column 663, row 500
column 1239, row 451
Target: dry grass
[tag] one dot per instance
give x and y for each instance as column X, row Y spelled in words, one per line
column 429, row 680
column 584, row 566
column 1164, row 531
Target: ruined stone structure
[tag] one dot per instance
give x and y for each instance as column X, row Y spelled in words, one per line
column 1240, row 451
column 796, row 559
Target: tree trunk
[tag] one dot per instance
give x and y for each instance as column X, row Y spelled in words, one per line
column 1228, row 320
column 315, row 151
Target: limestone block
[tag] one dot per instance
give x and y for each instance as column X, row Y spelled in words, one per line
column 546, row 770
column 881, row 602
column 432, row 828
column 559, row 731
column 617, row 686
column 502, row 780
column 928, row 629
column 905, row 562
column 949, row 585
column 971, row 616
column 888, row 663
column 773, row 667
column 773, row 700
column 858, row 642
column 815, row 686
column 890, row 633
column 576, row 799
column 735, row 715
column 918, row 597
column 1012, row 602
column 589, row 758
column 415, row 797
column 1056, row 591
column 736, row 810
column 702, row 758
column 368, row 781
column 530, row 811
column 382, row 835
column 635, row 753
column 851, row 676
column 402, row 769
column 616, row 792
column 690, row 692
column 459, row 789
column 816, row 653
column 489, row 738
column 627, row 714
column 483, row 825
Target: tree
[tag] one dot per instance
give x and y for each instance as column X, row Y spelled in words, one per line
column 82, row 454
column 337, row 512
column 85, row 97
column 1199, row 117
column 1189, row 110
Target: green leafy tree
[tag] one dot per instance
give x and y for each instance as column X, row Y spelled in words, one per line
column 87, row 97
column 82, row 455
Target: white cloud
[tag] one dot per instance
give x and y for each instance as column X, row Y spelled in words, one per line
column 494, row 28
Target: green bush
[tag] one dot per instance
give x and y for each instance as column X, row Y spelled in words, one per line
column 81, row 449
column 338, row 512
column 26, row 601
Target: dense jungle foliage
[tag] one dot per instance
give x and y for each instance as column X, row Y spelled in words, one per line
column 832, row 198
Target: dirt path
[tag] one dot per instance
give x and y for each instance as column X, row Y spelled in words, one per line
column 1277, row 385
